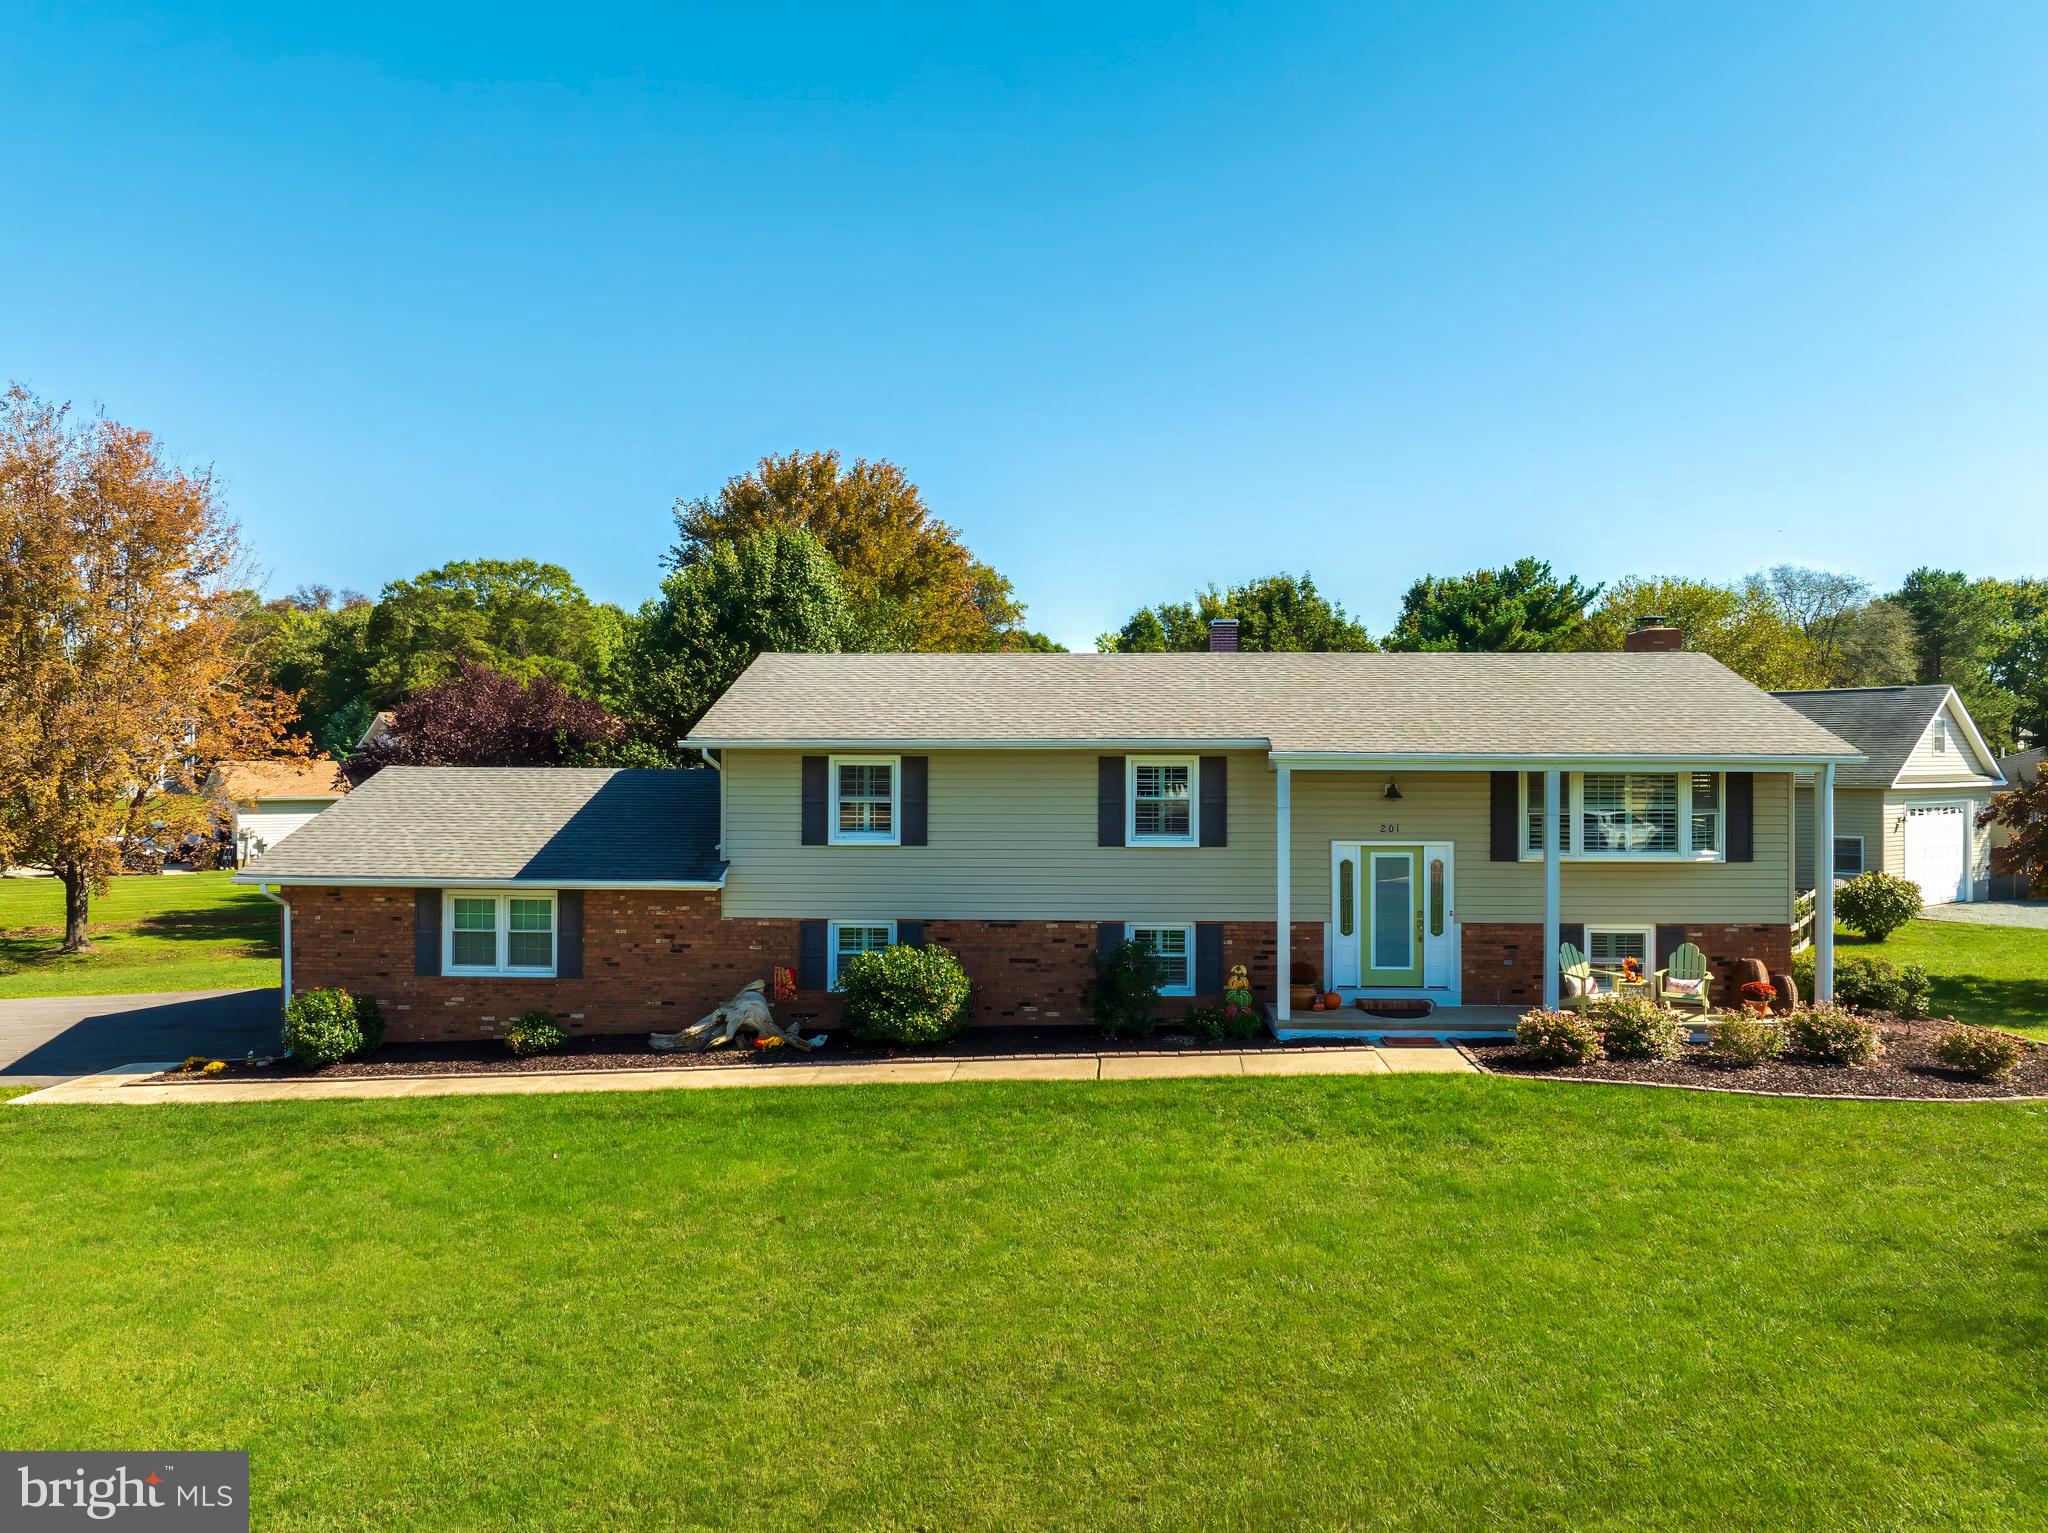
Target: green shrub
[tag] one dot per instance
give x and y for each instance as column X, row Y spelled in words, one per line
column 534, row 1033
column 1559, row 1037
column 1124, row 995
column 1871, row 983
column 1834, row 1035
column 906, row 994
column 1740, row 1040
column 1636, row 1027
column 1243, row 1022
column 1204, row 1021
column 1877, row 904
column 1980, row 1051
column 321, row 1026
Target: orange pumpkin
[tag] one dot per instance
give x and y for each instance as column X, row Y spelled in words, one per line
column 1332, row 1001
column 1316, row 1006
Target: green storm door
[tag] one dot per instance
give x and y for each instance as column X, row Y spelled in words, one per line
column 1392, row 939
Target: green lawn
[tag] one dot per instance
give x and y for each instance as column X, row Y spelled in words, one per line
column 1412, row 1302
column 1993, row 975
column 175, row 931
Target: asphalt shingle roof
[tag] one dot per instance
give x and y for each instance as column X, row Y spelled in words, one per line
column 1558, row 705
column 1885, row 723
column 546, row 825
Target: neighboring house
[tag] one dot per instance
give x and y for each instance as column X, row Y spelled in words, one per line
column 377, row 731
column 2022, row 769
column 1379, row 817
column 270, row 800
column 1910, row 807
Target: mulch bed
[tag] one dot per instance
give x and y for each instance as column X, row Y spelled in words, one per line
column 1907, row 1068
column 630, row 1052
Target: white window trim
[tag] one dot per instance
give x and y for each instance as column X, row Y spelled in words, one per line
column 1632, row 928
column 1131, row 930
column 1575, row 851
column 832, row 945
column 1861, row 865
column 834, row 836
column 1194, row 835
column 503, row 897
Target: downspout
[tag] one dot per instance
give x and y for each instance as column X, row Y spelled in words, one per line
column 286, row 905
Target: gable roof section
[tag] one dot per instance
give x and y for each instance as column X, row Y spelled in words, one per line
column 1488, row 706
column 555, row 826
column 1885, row 723
column 249, row 782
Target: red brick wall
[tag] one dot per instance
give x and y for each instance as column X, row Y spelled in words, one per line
column 1503, row 963
column 656, row 961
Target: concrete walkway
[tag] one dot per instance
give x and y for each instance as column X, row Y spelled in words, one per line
column 1992, row 913
column 129, row 1085
column 59, row 1037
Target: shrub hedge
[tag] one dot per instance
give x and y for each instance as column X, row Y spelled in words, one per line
column 906, row 994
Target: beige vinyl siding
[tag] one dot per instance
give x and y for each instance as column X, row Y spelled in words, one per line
column 1012, row 837
column 1959, row 761
column 1457, row 807
column 1858, row 812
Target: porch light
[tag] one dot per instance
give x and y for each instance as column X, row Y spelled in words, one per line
column 1393, row 789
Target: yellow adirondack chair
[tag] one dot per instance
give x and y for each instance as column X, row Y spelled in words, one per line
column 1572, row 965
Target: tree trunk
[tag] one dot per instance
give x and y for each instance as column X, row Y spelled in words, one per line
column 76, row 890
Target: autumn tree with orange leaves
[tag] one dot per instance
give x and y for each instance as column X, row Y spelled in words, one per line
column 120, row 679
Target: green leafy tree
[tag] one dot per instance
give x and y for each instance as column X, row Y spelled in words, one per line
column 1280, row 612
column 1959, row 625
column 1822, row 605
column 313, row 645
column 1741, row 626
column 518, row 616
column 775, row 589
column 1521, row 606
column 1875, row 648
column 2019, row 666
column 908, row 580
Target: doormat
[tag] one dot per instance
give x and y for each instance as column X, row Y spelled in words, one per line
column 1393, row 1008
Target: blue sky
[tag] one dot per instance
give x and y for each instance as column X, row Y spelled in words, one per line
column 1143, row 296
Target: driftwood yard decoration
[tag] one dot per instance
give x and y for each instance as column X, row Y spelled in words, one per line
column 748, row 1013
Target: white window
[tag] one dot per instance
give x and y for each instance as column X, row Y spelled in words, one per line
column 1848, row 856
column 1173, row 949
column 1609, row 947
column 1533, row 818
column 863, row 804
column 490, row 932
column 1703, row 809
column 849, row 939
column 1161, row 798
column 1628, row 813
column 1940, row 736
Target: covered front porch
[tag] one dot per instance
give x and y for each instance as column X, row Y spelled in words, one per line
column 1435, row 879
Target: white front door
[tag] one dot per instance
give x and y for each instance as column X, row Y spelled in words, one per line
column 1938, row 852
column 1374, row 886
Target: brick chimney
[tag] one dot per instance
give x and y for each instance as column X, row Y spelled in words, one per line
column 1222, row 635
column 1653, row 633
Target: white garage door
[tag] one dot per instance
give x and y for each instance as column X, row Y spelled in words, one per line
column 1937, row 853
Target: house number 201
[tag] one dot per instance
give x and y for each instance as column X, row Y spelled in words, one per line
column 1390, row 828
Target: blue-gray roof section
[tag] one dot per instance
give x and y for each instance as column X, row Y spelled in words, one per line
column 562, row 827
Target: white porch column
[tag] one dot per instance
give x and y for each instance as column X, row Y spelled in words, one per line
column 1824, row 885
column 1553, row 868
column 1283, row 892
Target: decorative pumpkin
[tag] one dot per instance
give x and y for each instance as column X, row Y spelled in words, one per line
column 1332, row 1001
column 1317, row 1006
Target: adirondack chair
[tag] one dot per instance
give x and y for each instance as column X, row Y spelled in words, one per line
column 1688, row 964
column 1572, row 965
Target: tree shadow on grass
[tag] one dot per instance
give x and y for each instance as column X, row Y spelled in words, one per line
column 222, row 924
column 1993, row 1002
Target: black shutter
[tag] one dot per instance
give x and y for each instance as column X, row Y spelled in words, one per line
column 1109, row 801
column 910, row 933
column 1507, row 817
column 814, row 800
column 1574, row 934
column 1742, row 817
column 916, row 778
column 569, row 934
column 1669, row 940
column 426, row 931
column 1108, row 934
column 810, row 955
column 1209, row 958
column 1215, row 801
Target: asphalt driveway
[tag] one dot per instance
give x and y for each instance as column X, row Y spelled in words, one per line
column 54, row 1038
